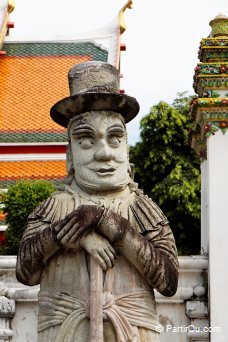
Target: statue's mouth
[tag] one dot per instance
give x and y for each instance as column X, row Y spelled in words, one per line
column 105, row 170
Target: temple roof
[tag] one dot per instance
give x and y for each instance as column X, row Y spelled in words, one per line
column 33, row 76
column 12, row 171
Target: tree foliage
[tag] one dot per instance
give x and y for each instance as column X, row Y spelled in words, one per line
column 168, row 170
column 20, row 200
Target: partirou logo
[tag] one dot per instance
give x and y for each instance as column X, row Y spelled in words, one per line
column 159, row 328
column 185, row 329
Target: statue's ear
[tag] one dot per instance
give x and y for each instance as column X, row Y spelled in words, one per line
column 131, row 170
column 69, row 159
column 69, row 165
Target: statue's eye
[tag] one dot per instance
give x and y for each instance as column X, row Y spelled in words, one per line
column 115, row 141
column 86, row 143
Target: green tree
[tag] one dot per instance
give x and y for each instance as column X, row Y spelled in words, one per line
column 168, row 170
column 20, row 201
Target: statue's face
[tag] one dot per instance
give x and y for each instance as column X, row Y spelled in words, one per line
column 99, row 152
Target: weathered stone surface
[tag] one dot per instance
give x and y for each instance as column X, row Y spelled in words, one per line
column 7, row 307
column 7, row 311
column 100, row 247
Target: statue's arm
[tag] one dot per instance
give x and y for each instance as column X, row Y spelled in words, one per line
column 43, row 238
column 153, row 254
column 37, row 246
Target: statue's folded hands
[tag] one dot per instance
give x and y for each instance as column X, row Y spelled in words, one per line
column 100, row 248
column 152, row 259
column 77, row 228
column 77, row 224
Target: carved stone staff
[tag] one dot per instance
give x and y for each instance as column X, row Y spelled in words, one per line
column 96, row 292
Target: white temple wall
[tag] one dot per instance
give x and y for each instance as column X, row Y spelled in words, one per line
column 217, row 152
column 204, row 208
column 25, row 321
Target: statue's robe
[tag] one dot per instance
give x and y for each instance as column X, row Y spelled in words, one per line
column 129, row 308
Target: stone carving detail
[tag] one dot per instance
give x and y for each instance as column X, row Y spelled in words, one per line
column 99, row 247
column 7, row 311
column 197, row 311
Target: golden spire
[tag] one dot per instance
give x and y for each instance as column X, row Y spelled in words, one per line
column 122, row 24
column 4, row 24
column 11, row 6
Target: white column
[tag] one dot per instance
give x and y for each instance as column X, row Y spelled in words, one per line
column 217, row 154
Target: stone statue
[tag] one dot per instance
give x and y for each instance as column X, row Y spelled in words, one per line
column 101, row 222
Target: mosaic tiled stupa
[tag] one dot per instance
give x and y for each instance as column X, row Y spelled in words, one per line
column 209, row 111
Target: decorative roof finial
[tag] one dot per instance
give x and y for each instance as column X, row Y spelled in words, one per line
column 11, row 6
column 219, row 25
column 122, row 24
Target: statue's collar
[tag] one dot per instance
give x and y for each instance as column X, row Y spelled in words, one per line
column 130, row 189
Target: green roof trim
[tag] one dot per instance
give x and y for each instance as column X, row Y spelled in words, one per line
column 55, row 49
column 32, row 137
column 58, row 182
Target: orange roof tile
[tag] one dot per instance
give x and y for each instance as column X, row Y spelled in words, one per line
column 11, row 171
column 2, row 216
column 29, row 87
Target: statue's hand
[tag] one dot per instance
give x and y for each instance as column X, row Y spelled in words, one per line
column 77, row 224
column 100, row 248
column 112, row 226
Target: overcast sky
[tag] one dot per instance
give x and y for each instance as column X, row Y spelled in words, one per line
column 162, row 39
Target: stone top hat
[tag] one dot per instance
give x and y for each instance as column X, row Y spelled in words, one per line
column 93, row 86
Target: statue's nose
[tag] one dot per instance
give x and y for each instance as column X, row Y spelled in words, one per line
column 104, row 153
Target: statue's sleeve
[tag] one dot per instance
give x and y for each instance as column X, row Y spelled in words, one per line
column 38, row 243
column 156, row 249
column 159, row 255
column 146, row 241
